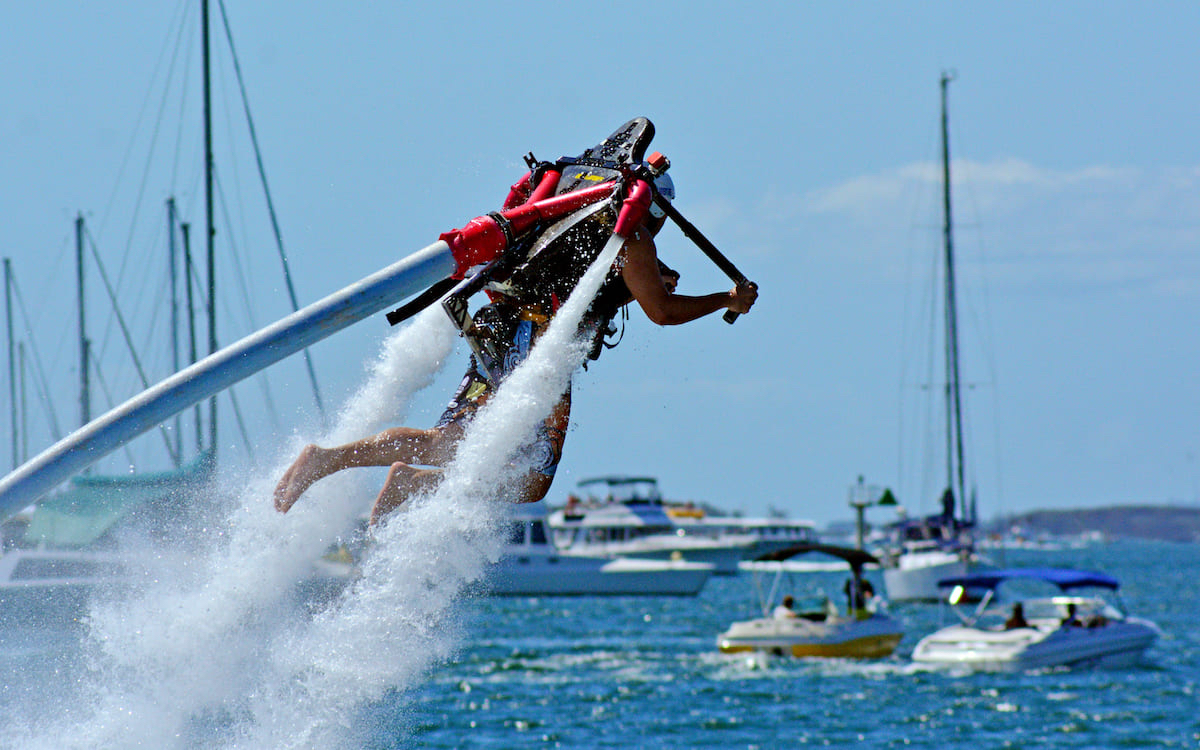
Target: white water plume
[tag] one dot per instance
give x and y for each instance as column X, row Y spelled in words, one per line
column 178, row 644
column 399, row 620
column 220, row 655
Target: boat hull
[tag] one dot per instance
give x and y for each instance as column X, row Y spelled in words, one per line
column 1117, row 644
column 565, row 575
column 915, row 578
column 872, row 638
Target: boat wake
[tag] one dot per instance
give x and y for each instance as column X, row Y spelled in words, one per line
column 219, row 654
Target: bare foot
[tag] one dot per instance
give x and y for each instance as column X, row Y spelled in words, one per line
column 312, row 464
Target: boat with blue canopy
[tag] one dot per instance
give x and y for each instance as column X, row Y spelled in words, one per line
column 1067, row 629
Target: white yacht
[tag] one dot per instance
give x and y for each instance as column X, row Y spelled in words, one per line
column 533, row 566
column 638, row 525
column 56, row 554
column 923, row 552
column 940, row 546
column 769, row 534
column 1067, row 630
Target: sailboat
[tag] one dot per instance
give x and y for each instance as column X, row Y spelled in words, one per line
column 56, row 553
column 74, row 541
column 922, row 551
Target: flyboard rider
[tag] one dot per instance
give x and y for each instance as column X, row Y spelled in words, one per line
column 526, row 286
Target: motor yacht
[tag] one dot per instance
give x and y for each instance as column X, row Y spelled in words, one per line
column 531, row 565
column 636, row 524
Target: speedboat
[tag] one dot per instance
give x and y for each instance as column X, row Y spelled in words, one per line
column 864, row 631
column 1067, row 630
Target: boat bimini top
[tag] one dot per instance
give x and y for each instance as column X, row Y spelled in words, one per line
column 1065, row 578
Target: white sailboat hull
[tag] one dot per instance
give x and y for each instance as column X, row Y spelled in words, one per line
column 916, row 575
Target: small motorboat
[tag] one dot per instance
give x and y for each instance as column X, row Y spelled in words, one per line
column 864, row 631
column 1067, row 630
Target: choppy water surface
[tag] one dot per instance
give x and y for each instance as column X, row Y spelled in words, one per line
column 633, row 672
column 644, row 672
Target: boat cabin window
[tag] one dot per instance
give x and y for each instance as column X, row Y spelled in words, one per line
column 537, row 533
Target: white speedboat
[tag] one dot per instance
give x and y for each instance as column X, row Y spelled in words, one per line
column 864, row 631
column 1067, row 630
column 638, row 526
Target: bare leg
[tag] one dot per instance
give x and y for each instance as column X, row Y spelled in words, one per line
column 402, row 481
column 397, row 445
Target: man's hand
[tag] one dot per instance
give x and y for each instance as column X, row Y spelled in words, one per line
column 742, row 297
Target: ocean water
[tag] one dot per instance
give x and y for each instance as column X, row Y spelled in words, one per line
column 619, row 672
column 633, row 672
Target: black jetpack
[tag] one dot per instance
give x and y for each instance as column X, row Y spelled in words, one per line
column 551, row 199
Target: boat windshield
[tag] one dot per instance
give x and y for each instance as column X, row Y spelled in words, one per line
column 1055, row 608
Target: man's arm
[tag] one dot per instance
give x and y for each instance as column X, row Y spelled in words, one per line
column 644, row 279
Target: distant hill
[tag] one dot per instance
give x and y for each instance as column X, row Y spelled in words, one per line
column 1171, row 523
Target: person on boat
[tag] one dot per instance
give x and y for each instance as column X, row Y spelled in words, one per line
column 1071, row 620
column 860, row 597
column 1017, row 618
column 416, row 455
column 785, row 609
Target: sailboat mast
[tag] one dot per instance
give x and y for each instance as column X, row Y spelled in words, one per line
column 954, row 443
column 208, row 213
column 24, row 431
column 172, row 265
column 12, row 362
column 85, row 401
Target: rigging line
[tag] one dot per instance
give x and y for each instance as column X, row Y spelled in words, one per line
column 241, row 423
column 41, row 383
column 48, row 289
column 104, row 389
column 192, row 277
column 137, row 126
column 142, row 187
column 984, row 325
column 240, row 275
column 270, row 203
column 184, row 98
column 137, row 363
column 916, row 297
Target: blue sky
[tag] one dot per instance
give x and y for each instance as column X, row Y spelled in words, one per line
column 804, row 143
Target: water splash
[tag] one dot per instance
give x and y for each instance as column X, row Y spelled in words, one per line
column 399, row 620
column 215, row 654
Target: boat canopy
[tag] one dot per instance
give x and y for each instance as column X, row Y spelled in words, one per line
column 1064, row 578
column 856, row 557
column 632, row 489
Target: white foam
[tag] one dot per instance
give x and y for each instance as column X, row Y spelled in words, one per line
column 216, row 650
